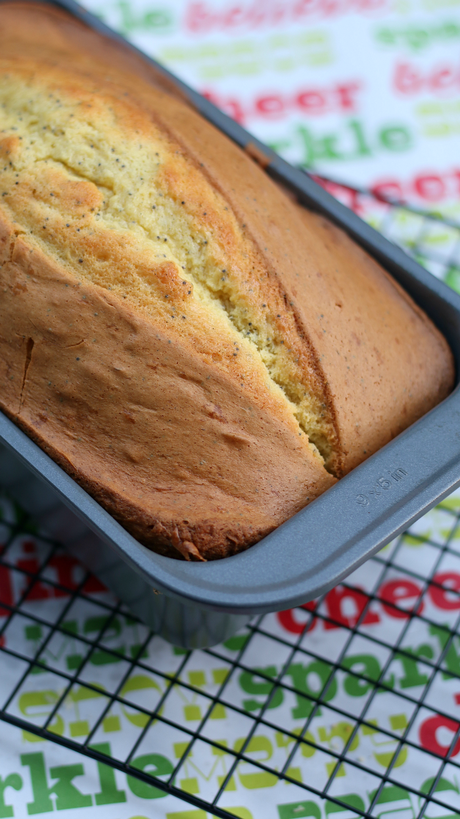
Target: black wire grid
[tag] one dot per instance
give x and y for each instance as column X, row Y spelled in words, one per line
column 307, row 716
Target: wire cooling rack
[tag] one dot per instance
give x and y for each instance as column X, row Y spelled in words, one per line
column 349, row 705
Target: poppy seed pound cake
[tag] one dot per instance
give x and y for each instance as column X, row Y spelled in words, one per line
column 201, row 354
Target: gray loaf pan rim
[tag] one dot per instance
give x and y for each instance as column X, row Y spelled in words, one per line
column 331, row 537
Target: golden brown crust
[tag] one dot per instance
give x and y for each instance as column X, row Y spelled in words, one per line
column 170, row 445
column 33, row 27
column 381, row 362
column 386, row 363
column 196, row 449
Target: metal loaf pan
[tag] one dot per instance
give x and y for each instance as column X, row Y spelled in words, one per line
column 196, row 605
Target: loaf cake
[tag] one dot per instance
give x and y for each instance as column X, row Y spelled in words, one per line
column 203, row 355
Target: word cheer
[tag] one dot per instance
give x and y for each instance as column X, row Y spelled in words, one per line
column 428, row 186
column 395, row 598
column 314, row 101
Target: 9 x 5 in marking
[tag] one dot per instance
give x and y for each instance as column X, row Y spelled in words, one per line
column 382, row 484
